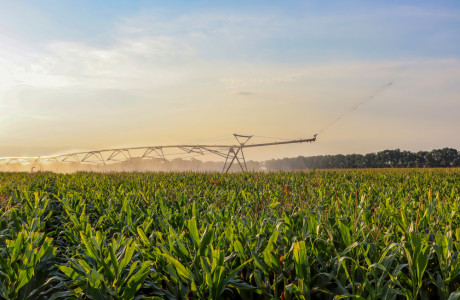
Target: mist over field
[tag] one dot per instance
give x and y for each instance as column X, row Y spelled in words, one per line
column 134, row 165
column 438, row 158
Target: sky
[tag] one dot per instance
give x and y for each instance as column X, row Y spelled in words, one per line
column 88, row 75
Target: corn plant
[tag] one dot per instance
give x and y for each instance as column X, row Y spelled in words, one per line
column 25, row 264
column 338, row 234
column 106, row 270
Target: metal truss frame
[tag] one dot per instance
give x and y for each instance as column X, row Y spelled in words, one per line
column 231, row 153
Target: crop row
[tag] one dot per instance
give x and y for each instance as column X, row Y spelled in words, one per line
column 381, row 234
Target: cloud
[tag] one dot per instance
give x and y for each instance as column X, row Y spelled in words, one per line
column 166, row 80
column 244, row 93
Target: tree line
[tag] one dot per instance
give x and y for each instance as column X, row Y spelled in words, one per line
column 438, row 158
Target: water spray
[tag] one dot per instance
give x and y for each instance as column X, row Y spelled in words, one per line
column 355, row 107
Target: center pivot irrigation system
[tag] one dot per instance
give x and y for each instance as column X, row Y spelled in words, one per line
column 107, row 156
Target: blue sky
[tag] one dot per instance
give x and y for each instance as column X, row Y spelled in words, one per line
column 94, row 74
column 288, row 32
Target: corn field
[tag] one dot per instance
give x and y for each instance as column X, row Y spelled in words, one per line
column 366, row 234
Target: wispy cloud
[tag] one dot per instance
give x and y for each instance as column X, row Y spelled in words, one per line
column 203, row 73
column 244, row 93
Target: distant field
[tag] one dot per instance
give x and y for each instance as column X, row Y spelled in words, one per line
column 366, row 234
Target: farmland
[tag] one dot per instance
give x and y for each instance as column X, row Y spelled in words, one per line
column 365, row 234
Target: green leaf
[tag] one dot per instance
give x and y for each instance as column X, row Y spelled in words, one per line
column 192, row 227
column 7, row 268
column 238, row 247
column 205, row 264
column 206, row 239
column 70, row 272
column 271, row 261
column 454, row 296
column 135, row 282
column 45, row 246
column 272, row 241
column 422, row 262
column 142, row 236
column 89, row 247
column 25, row 275
column 300, row 259
column 344, row 232
column 17, row 246
column 273, row 204
column 231, row 277
column 128, row 254
column 113, row 260
column 182, row 271
column 218, row 282
column 260, row 264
